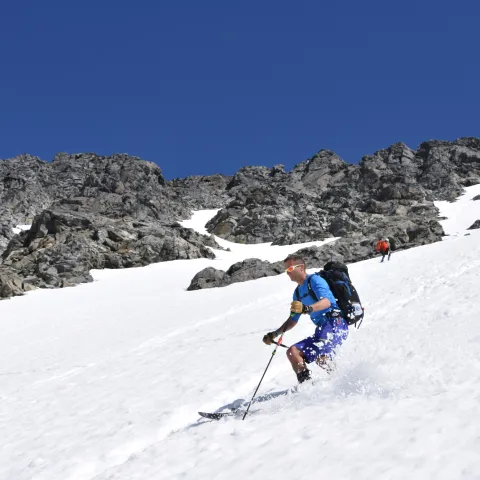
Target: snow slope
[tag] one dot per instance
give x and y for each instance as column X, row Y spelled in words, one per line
column 462, row 213
column 104, row 380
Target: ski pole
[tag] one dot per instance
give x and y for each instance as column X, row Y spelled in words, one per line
column 270, row 361
column 280, row 344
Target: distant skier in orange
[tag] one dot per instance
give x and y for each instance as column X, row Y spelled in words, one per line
column 383, row 247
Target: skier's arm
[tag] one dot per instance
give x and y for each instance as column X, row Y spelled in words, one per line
column 322, row 304
column 286, row 326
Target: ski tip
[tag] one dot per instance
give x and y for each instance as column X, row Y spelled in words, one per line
column 219, row 415
column 213, row 416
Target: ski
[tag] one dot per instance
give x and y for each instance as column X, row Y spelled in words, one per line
column 240, row 411
column 219, row 415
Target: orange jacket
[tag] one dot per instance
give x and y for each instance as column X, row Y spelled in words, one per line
column 382, row 246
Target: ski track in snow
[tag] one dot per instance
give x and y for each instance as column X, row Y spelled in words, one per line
column 105, row 380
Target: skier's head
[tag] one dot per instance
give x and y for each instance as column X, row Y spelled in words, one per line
column 295, row 268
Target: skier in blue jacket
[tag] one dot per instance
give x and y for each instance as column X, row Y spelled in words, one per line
column 330, row 328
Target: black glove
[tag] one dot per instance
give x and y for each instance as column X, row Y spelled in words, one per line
column 269, row 338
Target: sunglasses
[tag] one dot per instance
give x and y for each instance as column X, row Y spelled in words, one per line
column 292, row 268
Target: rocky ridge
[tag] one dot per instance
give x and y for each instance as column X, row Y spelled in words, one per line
column 89, row 211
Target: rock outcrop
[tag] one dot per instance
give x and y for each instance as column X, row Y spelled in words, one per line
column 89, row 211
column 474, row 225
column 249, row 269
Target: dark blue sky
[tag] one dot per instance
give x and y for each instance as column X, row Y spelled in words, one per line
column 208, row 86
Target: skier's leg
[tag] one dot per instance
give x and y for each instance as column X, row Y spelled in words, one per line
column 304, row 352
column 295, row 357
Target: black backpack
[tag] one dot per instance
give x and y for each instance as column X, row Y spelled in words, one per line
column 393, row 245
column 338, row 279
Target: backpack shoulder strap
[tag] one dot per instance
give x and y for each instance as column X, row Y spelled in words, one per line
column 310, row 289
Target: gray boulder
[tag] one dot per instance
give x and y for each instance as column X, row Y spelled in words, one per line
column 209, row 278
column 249, row 269
column 11, row 284
column 474, row 225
